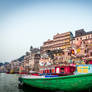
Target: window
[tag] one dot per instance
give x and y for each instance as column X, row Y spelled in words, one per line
column 90, row 53
column 50, row 71
column 89, row 36
column 62, row 70
column 80, row 38
column 83, row 42
column 86, row 37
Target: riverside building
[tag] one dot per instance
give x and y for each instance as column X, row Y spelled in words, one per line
column 82, row 44
column 60, row 41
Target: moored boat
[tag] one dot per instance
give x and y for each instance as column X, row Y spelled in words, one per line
column 63, row 83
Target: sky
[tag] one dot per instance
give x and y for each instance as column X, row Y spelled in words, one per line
column 31, row 22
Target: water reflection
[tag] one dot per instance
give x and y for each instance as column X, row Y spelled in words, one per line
column 27, row 88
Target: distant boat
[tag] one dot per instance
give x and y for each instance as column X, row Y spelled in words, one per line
column 63, row 83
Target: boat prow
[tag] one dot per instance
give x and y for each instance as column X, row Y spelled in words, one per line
column 63, row 83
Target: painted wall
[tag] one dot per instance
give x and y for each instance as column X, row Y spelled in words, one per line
column 83, row 69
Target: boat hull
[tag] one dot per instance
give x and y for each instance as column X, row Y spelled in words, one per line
column 64, row 83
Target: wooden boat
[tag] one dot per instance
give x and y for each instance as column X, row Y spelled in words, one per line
column 63, row 83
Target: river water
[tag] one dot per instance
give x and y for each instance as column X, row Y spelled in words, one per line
column 9, row 83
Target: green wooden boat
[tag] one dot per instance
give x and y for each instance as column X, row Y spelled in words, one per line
column 63, row 83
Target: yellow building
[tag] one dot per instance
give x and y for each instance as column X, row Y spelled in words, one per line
column 60, row 41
